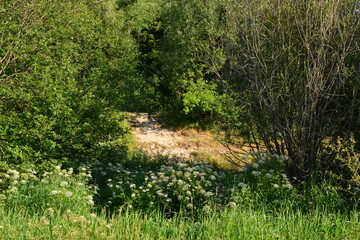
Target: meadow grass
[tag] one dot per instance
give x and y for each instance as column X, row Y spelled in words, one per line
column 172, row 200
column 238, row 223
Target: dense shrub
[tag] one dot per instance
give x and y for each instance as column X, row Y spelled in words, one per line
column 63, row 69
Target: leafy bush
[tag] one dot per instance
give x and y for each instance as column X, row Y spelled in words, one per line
column 347, row 162
column 202, row 103
column 61, row 78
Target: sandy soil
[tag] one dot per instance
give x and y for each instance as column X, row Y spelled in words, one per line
column 154, row 139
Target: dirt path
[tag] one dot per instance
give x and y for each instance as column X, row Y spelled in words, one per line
column 153, row 139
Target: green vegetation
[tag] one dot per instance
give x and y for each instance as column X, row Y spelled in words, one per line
column 61, row 71
column 283, row 75
column 172, row 200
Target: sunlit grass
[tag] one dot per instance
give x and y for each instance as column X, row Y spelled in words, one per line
column 171, row 200
column 238, row 223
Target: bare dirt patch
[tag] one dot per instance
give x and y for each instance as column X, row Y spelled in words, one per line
column 154, row 139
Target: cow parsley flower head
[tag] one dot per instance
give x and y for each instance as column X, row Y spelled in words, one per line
column 64, row 183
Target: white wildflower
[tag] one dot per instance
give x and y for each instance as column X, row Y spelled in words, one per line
column 208, row 194
column 50, row 211
column 64, row 183
column 54, row 192
column 232, row 204
column 13, row 172
column 13, row 189
column 206, row 208
column 68, row 194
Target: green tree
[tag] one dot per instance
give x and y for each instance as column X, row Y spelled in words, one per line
column 191, row 56
column 63, row 64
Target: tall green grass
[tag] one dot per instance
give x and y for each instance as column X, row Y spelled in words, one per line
column 257, row 203
column 238, row 223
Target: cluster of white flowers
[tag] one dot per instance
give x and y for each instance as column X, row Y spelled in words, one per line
column 267, row 170
column 173, row 185
column 11, row 181
column 56, row 185
column 191, row 185
column 90, row 200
